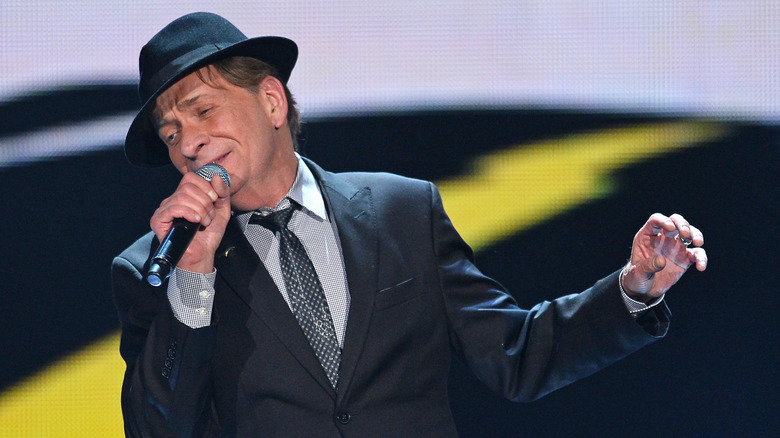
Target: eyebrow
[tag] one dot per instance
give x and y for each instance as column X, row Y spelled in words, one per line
column 189, row 102
column 158, row 119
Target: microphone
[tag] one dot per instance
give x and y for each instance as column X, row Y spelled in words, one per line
column 178, row 239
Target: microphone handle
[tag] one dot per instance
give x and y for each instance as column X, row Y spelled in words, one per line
column 171, row 250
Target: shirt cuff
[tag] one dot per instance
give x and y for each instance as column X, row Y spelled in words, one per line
column 633, row 306
column 191, row 295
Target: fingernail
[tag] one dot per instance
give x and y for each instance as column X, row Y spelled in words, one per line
column 213, row 195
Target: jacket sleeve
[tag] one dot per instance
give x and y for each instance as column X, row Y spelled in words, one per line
column 166, row 390
column 525, row 354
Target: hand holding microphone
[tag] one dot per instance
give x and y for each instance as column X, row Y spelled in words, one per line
column 195, row 204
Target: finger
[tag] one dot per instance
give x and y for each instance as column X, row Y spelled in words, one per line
column 170, row 212
column 192, row 197
column 697, row 238
column 682, row 226
column 699, row 256
column 213, row 189
column 192, row 178
column 163, row 218
column 221, row 190
column 189, row 202
column 658, row 223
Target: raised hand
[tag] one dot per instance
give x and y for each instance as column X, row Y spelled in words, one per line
column 663, row 249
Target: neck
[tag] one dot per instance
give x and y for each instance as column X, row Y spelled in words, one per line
column 268, row 189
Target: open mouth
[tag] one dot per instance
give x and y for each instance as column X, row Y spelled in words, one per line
column 219, row 160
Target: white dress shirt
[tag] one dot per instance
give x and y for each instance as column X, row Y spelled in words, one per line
column 192, row 294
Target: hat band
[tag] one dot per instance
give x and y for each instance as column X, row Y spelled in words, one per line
column 184, row 61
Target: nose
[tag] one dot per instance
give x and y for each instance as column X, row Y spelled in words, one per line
column 193, row 140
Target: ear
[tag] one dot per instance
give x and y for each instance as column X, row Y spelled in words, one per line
column 272, row 90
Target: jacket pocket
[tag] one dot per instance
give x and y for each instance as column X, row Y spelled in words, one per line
column 397, row 294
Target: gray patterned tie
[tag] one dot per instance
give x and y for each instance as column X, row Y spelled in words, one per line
column 307, row 298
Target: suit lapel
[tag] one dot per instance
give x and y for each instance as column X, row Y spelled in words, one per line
column 240, row 267
column 354, row 214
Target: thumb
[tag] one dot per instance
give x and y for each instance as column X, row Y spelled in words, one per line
column 649, row 266
column 219, row 186
column 223, row 194
column 638, row 279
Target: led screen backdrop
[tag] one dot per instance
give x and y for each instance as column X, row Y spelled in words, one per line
column 702, row 57
column 576, row 119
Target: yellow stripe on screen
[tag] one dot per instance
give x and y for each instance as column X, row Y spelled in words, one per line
column 78, row 396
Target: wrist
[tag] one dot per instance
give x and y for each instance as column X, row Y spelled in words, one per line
column 636, row 296
column 200, row 266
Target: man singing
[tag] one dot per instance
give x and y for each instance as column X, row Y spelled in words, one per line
column 314, row 304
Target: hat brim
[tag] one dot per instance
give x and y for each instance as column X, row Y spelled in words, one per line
column 144, row 148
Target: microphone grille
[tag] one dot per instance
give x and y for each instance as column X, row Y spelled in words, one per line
column 208, row 172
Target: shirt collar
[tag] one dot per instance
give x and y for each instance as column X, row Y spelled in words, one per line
column 304, row 191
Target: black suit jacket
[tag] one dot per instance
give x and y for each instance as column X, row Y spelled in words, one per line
column 417, row 301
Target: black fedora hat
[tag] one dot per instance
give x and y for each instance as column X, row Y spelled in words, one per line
column 183, row 46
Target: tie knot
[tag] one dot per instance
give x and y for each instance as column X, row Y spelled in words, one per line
column 275, row 220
